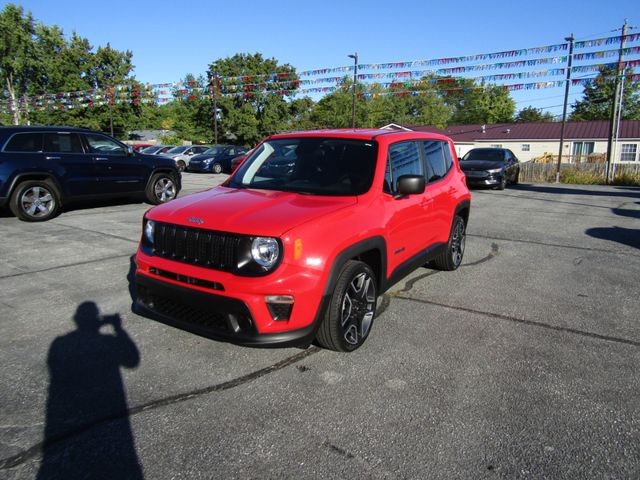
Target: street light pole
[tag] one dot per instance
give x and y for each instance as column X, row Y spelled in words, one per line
column 570, row 39
column 355, row 78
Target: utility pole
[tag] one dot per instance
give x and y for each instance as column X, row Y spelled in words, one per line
column 570, row 39
column 615, row 112
column 355, row 79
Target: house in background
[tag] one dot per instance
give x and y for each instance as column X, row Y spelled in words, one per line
column 583, row 141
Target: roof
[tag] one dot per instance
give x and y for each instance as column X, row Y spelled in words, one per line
column 593, row 130
column 358, row 133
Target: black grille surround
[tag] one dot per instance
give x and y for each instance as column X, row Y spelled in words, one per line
column 196, row 246
column 224, row 251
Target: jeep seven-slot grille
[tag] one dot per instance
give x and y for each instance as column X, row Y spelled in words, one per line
column 195, row 246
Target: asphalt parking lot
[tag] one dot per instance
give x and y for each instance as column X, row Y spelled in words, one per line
column 524, row 363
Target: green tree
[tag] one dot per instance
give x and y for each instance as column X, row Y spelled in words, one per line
column 256, row 105
column 17, row 55
column 532, row 114
column 598, row 98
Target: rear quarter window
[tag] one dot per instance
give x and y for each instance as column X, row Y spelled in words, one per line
column 24, row 142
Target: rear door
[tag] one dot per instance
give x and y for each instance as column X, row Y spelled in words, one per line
column 439, row 187
column 117, row 171
column 65, row 152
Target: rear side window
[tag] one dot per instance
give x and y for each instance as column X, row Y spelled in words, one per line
column 62, row 143
column 404, row 159
column 24, row 142
column 438, row 157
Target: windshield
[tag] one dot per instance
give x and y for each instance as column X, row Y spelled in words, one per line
column 310, row 165
column 177, row 149
column 214, row 150
column 150, row 150
column 493, row 155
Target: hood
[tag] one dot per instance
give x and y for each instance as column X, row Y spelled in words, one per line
column 246, row 211
column 477, row 165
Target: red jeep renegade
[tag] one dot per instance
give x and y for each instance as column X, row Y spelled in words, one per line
column 299, row 242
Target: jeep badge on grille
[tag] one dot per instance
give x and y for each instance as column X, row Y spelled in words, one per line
column 197, row 220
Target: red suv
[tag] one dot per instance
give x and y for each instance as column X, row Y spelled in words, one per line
column 299, row 242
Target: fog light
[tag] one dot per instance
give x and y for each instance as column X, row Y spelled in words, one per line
column 280, row 306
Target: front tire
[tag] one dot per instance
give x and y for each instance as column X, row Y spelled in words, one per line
column 349, row 319
column 35, row 201
column 161, row 189
column 216, row 168
column 451, row 258
column 181, row 165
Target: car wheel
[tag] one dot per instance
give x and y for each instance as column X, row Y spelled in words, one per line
column 503, row 182
column 451, row 258
column 516, row 178
column 349, row 318
column 161, row 189
column 216, row 168
column 35, row 201
column 181, row 165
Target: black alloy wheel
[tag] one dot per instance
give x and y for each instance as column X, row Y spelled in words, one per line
column 349, row 319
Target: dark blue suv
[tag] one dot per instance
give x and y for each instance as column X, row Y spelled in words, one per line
column 41, row 168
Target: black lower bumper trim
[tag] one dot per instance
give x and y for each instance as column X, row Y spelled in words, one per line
column 212, row 316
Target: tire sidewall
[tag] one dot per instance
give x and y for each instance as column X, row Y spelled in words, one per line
column 216, row 168
column 151, row 189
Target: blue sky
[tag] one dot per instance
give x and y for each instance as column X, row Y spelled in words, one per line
column 171, row 39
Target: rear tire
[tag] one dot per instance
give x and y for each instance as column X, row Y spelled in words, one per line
column 516, row 179
column 35, row 201
column 161, row 189
column 451, row 258
column 349, row 318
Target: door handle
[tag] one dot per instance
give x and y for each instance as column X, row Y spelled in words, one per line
column 101, row 159
column 52, row 158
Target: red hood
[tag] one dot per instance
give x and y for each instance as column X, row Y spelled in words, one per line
column 253, row 212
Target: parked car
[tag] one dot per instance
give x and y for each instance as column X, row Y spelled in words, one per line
column 283, row 259
column 137, row 147
column 494, row 167
column 42, row 168
column 216, row 159
column 182, row 155
column 157, row 149
column 236, row 161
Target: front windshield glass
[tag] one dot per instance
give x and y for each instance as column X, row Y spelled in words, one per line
column 150, row 149
column 492, row 155
column 214, row 150
column 177, row 149
column 310, row 165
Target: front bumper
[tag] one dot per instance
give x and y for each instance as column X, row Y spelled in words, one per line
column 224, row 306
column 483, row 178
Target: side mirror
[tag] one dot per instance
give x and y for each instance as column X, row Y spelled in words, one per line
column 410, row 185
column 130, row 151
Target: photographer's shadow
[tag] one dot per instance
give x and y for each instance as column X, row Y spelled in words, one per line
column 87, row 432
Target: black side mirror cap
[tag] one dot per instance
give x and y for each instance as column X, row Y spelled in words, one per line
column 410, row 185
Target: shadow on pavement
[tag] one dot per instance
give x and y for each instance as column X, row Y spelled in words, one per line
column 625, row 236
column 633, row 192
column 87, row 431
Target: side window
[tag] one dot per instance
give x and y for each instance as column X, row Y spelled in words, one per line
column 62, row 143
column 24, row 142
column 403, row 159
column 438, row 157
column 104, row 145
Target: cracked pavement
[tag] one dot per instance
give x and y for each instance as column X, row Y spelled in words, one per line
column 524, row 363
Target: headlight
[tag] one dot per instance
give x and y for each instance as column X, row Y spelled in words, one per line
column 149, row 230
column 265, row 251
column 495, row 170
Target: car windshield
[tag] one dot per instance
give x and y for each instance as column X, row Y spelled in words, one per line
column 150, row 149
column 214, row 150
column 178, row 149
column 310, row 165
column 493, row 155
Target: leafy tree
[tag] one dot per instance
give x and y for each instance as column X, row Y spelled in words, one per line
column 256, row 105
column 335, row 109
column 532, row 114
column 17, row 55
column 598, row 97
